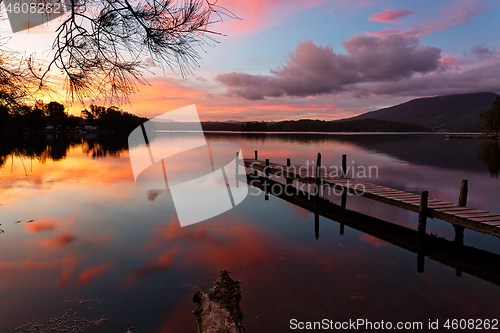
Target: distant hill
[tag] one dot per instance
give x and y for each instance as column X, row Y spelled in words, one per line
column 303, row 125
column 452, row 113
column 191, row 126
column 308, row 125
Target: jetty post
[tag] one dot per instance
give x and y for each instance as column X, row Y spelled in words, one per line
column 237, row 173
column 422, row 225
column 344, row 165
column 343, row 202
column 316, row 196
column 459, row 230
column 266, row 174
column 318, row 172
column 255, row 171
column 289, row 181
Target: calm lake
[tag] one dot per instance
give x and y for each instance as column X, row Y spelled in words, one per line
column 81, row 236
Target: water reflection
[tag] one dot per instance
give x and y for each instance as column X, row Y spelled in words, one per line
column 96, row 235
column 54, row 147
column 483, row 264
column 489, row 154
column 429, row 149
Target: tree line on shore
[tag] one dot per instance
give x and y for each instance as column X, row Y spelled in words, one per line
column 313, row 125
column 490, row 119
column 21, row 125
column 16, row 119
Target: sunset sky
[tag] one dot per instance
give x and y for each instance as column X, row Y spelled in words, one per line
column 290, row 59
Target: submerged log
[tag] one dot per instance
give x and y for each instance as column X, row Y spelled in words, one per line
column 219, row 309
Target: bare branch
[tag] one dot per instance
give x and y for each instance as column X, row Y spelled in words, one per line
column 100, row 46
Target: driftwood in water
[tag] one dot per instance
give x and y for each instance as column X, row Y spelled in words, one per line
column 219, row 309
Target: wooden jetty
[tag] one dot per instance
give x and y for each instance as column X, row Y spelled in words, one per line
column 459, row 214
column 480, row 263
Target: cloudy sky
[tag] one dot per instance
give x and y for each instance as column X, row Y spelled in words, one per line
column 291, row 59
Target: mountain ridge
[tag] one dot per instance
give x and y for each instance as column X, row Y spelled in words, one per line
column 459, row 112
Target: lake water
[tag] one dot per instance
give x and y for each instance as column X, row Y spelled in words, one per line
column 106, row 248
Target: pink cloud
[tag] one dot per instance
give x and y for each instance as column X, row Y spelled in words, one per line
column 416, row 31
column 449, row 62
column 391, row 15
column 460, row 14
column 314, row 70
column 479, row 78
column 393, row 65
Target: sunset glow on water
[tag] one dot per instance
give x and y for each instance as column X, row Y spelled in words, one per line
column 88, row 232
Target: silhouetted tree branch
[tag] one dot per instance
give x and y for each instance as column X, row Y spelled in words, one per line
column 101, row 46
column 18, row 80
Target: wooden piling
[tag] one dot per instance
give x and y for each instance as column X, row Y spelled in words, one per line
column 422, row 225
column 459, row 230
column 420, row 258
column 462, row 202
column 422, row 213
column 318, row 174
column 462, row 199
column 255, row 171
column 318, row 166
column 344, row 165
column 316, row 225
column 266, row 174
column 237, row 173
column 342, row 229
column 289, row 181
column 316, row 216
column 343, row 203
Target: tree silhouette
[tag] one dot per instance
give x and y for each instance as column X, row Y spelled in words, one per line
column 490, row 120
column 101, row 47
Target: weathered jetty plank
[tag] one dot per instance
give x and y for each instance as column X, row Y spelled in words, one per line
column 458, row 214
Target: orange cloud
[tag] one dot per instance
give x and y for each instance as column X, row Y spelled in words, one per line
column 68, row 265
column 60, row 240
column 162, row 263
column 91, row 273
column 40, row 225
column 181, row 320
